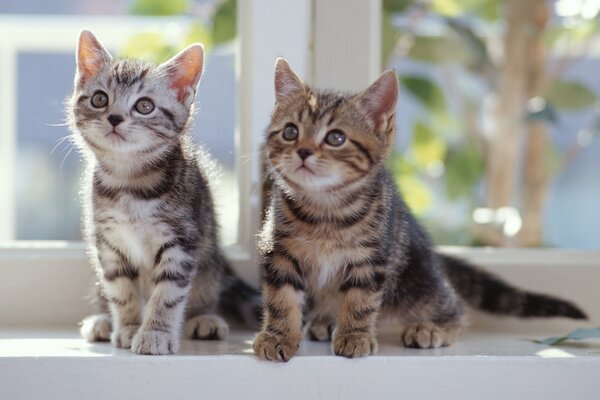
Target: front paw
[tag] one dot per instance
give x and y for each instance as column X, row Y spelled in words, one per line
column 155, row 342
column 354, row 344
column 121, row 337
column 275, row 348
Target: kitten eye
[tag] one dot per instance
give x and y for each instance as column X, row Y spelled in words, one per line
column 99, row 99
column 335, row 138
column 144, row 106
column 290, row 132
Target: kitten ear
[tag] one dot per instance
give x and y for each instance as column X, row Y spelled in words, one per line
column 184, row 71
column 91, row 55
column 379, row 100
column 287, row 82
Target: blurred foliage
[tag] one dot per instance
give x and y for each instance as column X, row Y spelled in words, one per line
column 426, row 92
column 224, row 22
column 158, row 46
column 446, row 149
column 570, row 95
column 158, row 7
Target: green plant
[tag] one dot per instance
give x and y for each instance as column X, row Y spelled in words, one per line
column 517, row 93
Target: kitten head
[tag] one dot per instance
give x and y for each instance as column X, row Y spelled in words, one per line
column 124, row 108
column 322, row 140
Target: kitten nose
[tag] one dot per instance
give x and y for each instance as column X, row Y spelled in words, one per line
column 115, row 119
column 304, row 153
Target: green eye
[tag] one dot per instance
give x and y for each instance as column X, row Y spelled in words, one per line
column 335, row 138
column 290, row 132
column 144, row 106
column 99, row 99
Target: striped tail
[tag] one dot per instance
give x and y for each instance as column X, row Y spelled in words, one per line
column 489, row 293
column 240, row 301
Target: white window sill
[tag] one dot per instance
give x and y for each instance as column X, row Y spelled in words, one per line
column 59, row 364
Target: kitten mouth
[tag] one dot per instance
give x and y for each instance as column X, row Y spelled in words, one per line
column 305, row 168
column 115, row 134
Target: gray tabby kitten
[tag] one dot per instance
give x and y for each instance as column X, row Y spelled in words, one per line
column 149, row 219
column 339, row 247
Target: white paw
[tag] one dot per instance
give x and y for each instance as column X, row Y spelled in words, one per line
column 155, row 342
column 96, row 328
column 122, row 336
column 206, row 327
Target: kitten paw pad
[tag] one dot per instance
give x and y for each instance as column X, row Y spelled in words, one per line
column 96, row 328
column 429, row 336
column 354, row 344
column 122, row 336
column 155, row 342
column 320, row 331
column 275, row 348
column 206, row 327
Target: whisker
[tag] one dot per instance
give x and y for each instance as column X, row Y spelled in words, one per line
column 65, row 157
column 59, row 142
column 57, row 125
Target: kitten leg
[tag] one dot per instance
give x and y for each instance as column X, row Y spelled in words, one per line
column 163, row 316
column 119, row 283
column 320, row 329
column 97, row 327
column 354, row 335
column 283, row 293
column 202, row 323
column 280, row 337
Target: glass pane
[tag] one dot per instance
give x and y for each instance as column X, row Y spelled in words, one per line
column 48, row 168
column 498, row 119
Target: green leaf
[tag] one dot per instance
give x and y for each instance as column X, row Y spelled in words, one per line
column 570, row 95
column 488, row 10
column 577, row 334
column 426, row 146
column 464, row 169
column 159, row 7
column 224, row 22
column 440, row 49
column 396, row 6
column 427, row 92
column 148, row 46
column 415, row 192
column 389, row 38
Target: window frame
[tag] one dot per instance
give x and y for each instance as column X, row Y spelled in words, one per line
column 309, row 50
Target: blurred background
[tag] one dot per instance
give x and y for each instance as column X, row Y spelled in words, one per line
column 498, row 118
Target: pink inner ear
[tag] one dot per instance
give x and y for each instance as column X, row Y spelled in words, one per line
column 90, row 56
column 287, row 82
column 185, row 70
column 180, row 83
column 379, row 100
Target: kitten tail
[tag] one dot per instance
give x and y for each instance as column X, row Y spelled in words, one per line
column 489, row 293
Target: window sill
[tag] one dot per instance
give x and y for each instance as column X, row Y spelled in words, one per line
column 57, row 278
column 34, row 363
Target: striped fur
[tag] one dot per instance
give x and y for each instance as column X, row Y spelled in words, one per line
column 339, row 247
column 149, row 218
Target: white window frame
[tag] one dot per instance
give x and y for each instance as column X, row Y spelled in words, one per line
column 344, row 56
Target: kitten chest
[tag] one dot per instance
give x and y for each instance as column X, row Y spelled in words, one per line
column 132, row 226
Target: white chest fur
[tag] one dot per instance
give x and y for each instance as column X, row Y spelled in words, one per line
column 133, row 227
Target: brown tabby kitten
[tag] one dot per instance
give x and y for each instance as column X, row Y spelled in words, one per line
column 149, row 219
column 339, row 240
